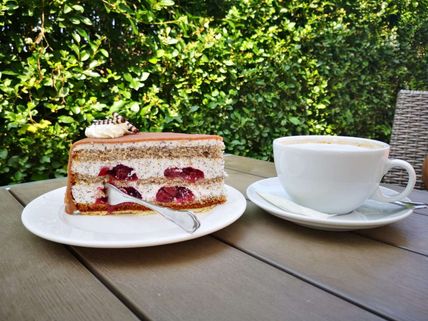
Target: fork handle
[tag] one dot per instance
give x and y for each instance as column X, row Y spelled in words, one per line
column 412, row 204
column 184, row 219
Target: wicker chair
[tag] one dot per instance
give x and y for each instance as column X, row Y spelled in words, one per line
column 409, row 139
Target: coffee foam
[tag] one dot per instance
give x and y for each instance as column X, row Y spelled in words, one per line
column 333, row 144
column 333, row 147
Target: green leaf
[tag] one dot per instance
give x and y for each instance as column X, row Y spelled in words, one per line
column 44, row 123
column 104, row 53
column 66, row 119
column 75, row 21
column 128, row 77
column 295, row 121
column 82, row 33
column 117, row 105
column 45, row 159
column 67, row 9
column 144, row 76
column 32, row 128
column 76, row 37
column 134, row 106
column 87, row 21
column 78, row 8
column 3, row 153
column 171, row 41
column 84, row 56
column 9, row 72
column 91, row 73
column 166, row 3
column 94, row 63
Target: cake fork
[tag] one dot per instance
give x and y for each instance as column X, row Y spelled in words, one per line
column 184, row 219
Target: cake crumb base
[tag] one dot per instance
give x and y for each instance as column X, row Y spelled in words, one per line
column 135, row 209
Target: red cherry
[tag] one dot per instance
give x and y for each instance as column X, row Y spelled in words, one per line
column 172, row 172
column 184, row 195
column 123, row 172
column 189, row 174
column 120, row 172
column 178, row 194
column 166, row 194
column 192, row 174
column 131, row 191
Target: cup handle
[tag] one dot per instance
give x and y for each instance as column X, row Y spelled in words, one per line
column 379, row 196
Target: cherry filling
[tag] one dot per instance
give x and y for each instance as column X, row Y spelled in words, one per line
column 131, row 191
column 104, row 171
column 101, row 199
column 189, row 174
column 178, row 194
column 120, row 172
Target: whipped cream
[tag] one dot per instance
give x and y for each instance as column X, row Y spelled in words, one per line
column 106, row 130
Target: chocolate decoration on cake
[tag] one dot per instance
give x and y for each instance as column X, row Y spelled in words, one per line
column 117, row 119
column 111, row 127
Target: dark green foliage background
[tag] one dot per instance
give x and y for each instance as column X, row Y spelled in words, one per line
column 248, row 70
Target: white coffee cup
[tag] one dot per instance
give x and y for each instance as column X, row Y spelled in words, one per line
column 335, row 174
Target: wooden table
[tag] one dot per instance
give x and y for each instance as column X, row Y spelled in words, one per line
column 259, row 268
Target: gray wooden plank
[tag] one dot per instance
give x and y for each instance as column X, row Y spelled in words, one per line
column 410, row 233
column 205, row 279
column 375, row 275
column 250, row 165
column 26, row 192
column 52, row 181
column 41, row 280
column 240, row 180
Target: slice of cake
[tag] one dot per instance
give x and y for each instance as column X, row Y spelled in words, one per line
column 181, row 171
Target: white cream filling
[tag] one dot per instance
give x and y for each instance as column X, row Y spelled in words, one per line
column 149, row 167
column 88, row 193
column 146, row 144
column 83, row 193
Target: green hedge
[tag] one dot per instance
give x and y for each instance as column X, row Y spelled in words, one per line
column 247, row 70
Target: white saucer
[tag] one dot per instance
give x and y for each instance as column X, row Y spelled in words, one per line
column 45, row 217
column 371, row 214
